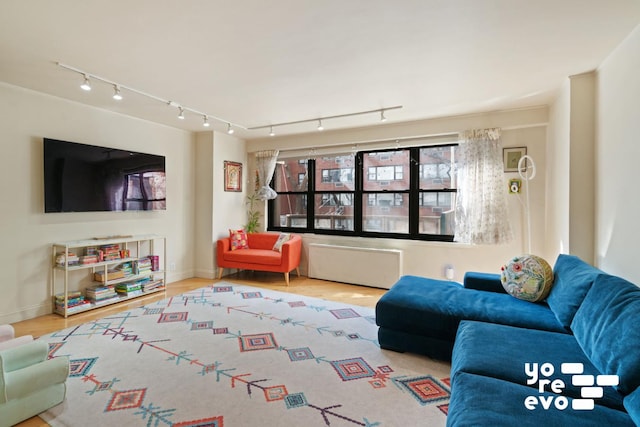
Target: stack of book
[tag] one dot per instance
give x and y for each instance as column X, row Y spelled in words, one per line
column 75, row 302
column 98, row 294
column 129, row 289
column 126, row 268
column 70, row 259
column 110, row 252
column 143, row 266
column 150, row 285
column 88, row 259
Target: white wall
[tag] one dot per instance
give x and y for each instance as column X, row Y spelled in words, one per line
column 617, row 154
column 26, row 232
column 520, row 128
column 558, row 189
column 582, row 166
column 217, row 210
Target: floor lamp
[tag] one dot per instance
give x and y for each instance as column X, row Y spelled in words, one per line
column 527, row 171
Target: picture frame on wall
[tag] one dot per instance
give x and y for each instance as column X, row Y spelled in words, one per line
column 511, row 156
column 232, row 176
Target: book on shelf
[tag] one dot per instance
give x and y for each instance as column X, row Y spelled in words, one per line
column 109, row 252
column 105, row 301
column 126, row 268
column 152, row 285
column 74, row 308
column 155, row 262
column 99, row 292
column 68, row 259
column 143, row 266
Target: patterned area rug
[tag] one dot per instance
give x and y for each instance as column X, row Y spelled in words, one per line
column 230, row 355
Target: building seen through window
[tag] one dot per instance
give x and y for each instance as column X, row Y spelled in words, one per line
column 404, row 193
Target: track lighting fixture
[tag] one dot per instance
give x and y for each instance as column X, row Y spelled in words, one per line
column 319, row 120
column 117, row 88
column 116, row 93
column 86, row 85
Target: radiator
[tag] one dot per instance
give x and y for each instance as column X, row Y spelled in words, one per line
column 379, row 268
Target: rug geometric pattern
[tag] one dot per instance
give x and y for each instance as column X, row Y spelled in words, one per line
column 232, row 355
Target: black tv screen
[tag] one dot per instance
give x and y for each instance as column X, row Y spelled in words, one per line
column 88, row 178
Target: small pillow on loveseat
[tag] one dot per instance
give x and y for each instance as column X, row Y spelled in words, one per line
column 527, row 277
column 282, row 239
column 238, row 239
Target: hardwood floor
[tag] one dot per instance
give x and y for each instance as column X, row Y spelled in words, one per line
column 350, row 294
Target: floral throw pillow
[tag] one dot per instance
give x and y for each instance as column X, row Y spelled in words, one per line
column 527, row 277
column 238, row 239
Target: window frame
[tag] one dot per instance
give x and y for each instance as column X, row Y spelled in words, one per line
column 361, row 198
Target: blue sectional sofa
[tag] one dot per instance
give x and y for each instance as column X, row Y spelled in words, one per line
column 571, row 360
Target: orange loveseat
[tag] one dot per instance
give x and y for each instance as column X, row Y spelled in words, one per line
column 260, row 256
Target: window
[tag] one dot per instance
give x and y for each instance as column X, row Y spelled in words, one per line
column 405, row 193
column 289, row 209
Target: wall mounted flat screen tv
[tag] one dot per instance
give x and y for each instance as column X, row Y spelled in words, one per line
column 88, row 178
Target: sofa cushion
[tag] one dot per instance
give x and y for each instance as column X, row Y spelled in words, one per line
column 632, row 405
column 477, row 400
column 238, row 239
column 483, row 282
column 254, row 256
column 606, row 326
column 262, row 240
column 435, row 307
column 527, row 277
column 572, row 280
column 475, row 352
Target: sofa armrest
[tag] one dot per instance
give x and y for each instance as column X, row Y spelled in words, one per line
column 291, row 252
column 31, row 379
column 22, row 356
column 489, row 282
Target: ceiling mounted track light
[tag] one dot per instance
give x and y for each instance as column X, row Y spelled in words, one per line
column 319, row 120
column 117, row 87
column 116, row 93
column 86, row 85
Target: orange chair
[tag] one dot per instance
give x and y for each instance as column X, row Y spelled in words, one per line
column 260, row 256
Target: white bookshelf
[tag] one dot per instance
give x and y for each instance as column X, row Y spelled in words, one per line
column 137, row 247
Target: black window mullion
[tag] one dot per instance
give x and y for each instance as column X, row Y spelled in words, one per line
column 311, row 191
column 358, row 195
column 414, row 185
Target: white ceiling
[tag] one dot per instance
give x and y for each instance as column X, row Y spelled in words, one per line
column 257, row 62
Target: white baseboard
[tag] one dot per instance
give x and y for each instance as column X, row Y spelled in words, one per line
column 27, row 313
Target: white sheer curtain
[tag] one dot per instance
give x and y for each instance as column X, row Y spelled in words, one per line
column 481, row 207
column 266, row 165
